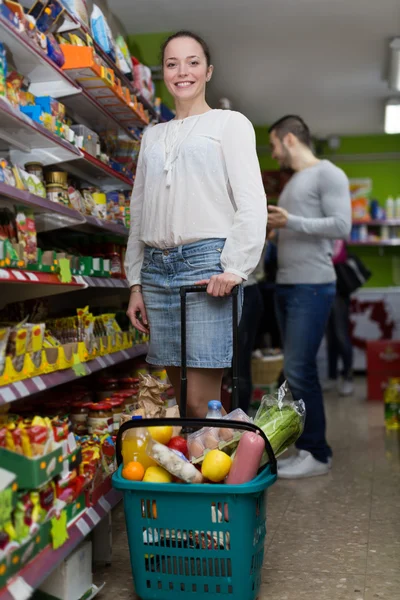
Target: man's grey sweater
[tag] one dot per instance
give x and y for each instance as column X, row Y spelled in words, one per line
column 319, row 206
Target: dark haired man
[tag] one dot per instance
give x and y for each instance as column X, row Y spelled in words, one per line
column 314, row 209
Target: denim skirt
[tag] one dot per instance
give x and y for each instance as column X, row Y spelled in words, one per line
column 209, row 320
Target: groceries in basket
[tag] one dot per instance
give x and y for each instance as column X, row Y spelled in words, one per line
column 213, row 454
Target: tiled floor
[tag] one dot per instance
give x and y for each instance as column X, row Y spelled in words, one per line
column 335, row 537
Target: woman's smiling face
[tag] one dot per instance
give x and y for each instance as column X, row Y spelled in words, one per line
column 185, row 68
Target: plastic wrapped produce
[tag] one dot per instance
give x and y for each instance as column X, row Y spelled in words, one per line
column 174, row 462
column 282, row 419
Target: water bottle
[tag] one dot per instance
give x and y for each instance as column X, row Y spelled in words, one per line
column 214, row 410
column 389, row 208
column 397, row 208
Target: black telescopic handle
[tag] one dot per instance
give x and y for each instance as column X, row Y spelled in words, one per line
column 190, row 289
column 220, row 423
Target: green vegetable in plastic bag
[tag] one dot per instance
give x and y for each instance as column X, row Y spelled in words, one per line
column 282, row 420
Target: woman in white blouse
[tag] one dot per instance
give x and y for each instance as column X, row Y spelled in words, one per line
column 198, row 215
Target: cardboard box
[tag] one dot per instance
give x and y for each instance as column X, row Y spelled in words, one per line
column 73, row 578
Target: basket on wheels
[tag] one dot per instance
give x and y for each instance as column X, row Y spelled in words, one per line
column 197, row 541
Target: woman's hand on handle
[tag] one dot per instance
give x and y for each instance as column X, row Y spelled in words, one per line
column 221, row 285
column 137, row 311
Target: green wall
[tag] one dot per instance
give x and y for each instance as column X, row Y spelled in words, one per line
column 146, row 48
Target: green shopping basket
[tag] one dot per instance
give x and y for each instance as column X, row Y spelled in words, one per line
column 197, row 541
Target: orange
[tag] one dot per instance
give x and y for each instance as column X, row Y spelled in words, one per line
column 133, row 471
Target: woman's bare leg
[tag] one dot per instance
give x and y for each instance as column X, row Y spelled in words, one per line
column 203, row 385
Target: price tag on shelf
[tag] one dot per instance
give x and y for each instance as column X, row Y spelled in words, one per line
column 38, row 381
column 125, row 354
column 109, row 359
column 93, row 516
column 32, row 276
column 21, row 388
column 105, row 505
column 4, row 274
column 20, row 589
column 7, row 395
column 71, row 442
column 65, row 469
column 79, row 280
column 101, row 362
column 18, row 275
column 83, row 527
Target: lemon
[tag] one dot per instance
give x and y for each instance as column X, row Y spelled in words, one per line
column 161, row 434
column 216, row 465
column 157, row 475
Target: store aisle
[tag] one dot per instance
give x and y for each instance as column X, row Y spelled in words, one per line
column 330, row 538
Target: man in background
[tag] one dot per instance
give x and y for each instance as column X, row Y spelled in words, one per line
column 314, row 209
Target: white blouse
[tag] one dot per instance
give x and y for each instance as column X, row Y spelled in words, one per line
column 199, row 178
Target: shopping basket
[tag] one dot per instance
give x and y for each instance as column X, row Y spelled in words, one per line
column 197, row 541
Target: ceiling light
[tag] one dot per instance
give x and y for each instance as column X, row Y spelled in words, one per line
column 394, row 66
column 392, row 116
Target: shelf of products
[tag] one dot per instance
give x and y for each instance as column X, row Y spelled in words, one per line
column 72, row 217
column 392, row 242
column 91, row 169
column 376, row 223
column 32, row 141
column 32, row 62
column 67, row 161
column 36, row 571
column 84, row 106
column 41, row 383
column 84, row 32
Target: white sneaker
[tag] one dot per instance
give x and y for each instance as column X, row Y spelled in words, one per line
column 329, row 385
column 285, row 462
column 304, row 465
column 346, row 388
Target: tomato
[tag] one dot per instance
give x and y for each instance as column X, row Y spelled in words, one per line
column 180, row 444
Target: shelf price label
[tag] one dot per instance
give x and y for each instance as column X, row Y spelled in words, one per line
column 20, row 589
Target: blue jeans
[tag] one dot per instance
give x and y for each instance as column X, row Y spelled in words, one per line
column 303, row 312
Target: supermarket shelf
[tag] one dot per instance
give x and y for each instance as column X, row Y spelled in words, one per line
column 82, row 30
column 36, row 571
column 67, row 217
column 104, row 282
column 33, row 278
column 32, row 62
column 91, row 169
column 395, row 242
column 375, row 222
column 97, row 117
column 28, row 387
column 31, row 140
column 18, row 285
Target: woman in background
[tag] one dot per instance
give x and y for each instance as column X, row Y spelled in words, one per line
column 338, row 335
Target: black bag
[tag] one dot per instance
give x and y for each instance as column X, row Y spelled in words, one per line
column 351, row 275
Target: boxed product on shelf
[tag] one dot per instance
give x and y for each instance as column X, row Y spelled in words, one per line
column 86, row 139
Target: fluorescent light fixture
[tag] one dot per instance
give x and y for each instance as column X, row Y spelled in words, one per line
column 394, row 65
column 392, row 116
